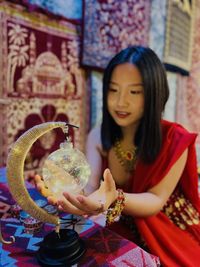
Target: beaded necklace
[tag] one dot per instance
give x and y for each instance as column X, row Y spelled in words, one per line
column 126, row 158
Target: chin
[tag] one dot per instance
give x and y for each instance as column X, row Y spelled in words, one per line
column 126, row 123
column 122, row 123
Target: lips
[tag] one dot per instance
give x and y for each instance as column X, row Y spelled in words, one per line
column 121, row 114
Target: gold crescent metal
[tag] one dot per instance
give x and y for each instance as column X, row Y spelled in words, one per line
column 2, row 240
column 15, row 171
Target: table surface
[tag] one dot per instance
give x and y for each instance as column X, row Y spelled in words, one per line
column 104, row 247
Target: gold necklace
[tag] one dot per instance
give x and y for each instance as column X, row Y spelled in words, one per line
column 126, row 158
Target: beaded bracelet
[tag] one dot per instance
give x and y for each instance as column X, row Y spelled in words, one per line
column 116, row 209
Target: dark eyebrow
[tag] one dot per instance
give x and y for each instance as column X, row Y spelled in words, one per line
column 132, row 84
column 135, row 84
column 113, row 83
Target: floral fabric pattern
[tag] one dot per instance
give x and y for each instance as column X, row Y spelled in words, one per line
column 112, row 25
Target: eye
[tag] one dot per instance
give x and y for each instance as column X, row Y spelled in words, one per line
column 136, row 92
column 112, row 89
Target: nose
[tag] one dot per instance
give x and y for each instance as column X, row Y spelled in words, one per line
column 122, row 99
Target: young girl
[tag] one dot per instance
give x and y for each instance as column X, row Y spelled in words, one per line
column 148, row 164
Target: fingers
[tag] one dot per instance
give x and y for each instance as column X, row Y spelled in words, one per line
column 92, row 206
column 37, row 178
column 108, row 180
column 80, row 205
column 110, row 188
column 52, row 200
column 79, row 202
column 45, row 192
column 41, row 186
column 73, row 199
column 66, row 206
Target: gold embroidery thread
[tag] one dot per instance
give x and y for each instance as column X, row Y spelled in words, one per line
column 180, row 211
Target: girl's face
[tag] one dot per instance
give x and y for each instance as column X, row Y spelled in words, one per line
column 126, row 95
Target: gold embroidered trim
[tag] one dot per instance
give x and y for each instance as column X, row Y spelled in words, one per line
column 181, row 212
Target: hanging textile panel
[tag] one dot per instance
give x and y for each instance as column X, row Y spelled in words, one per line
column 179, row 35
column 188, row 92
column 40, row 79
column 112, row 25
column 189, row 88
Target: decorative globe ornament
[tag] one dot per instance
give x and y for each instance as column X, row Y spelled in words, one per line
column 66, row 169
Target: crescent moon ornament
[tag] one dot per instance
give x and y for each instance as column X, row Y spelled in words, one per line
column 69, row 248
column 15, row 171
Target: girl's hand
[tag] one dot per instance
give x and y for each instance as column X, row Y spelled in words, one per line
column 95, row 203
column 43, row 189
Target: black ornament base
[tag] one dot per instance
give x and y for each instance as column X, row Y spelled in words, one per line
column 61, row 250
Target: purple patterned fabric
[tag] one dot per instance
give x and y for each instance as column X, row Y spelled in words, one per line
column 112, row 25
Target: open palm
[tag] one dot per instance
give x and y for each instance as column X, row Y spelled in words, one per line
column 98, row 201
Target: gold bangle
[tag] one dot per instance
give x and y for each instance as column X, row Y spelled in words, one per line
column 116, row 209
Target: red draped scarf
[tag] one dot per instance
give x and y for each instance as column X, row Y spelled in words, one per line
column 174, row 246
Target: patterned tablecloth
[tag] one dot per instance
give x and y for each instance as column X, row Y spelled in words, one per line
column 104, row 248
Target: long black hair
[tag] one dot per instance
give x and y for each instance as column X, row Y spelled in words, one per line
column 148, row 137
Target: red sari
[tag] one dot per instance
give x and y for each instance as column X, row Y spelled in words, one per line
column 174, row 246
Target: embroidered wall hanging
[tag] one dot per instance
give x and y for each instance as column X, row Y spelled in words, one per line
column 188, row 90
column 111, row 25
column 179, row 35
column 40, row 79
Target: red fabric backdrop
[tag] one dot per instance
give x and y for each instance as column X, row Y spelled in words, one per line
column 41, row 79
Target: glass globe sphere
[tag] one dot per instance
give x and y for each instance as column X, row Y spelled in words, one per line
column 66, row 170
